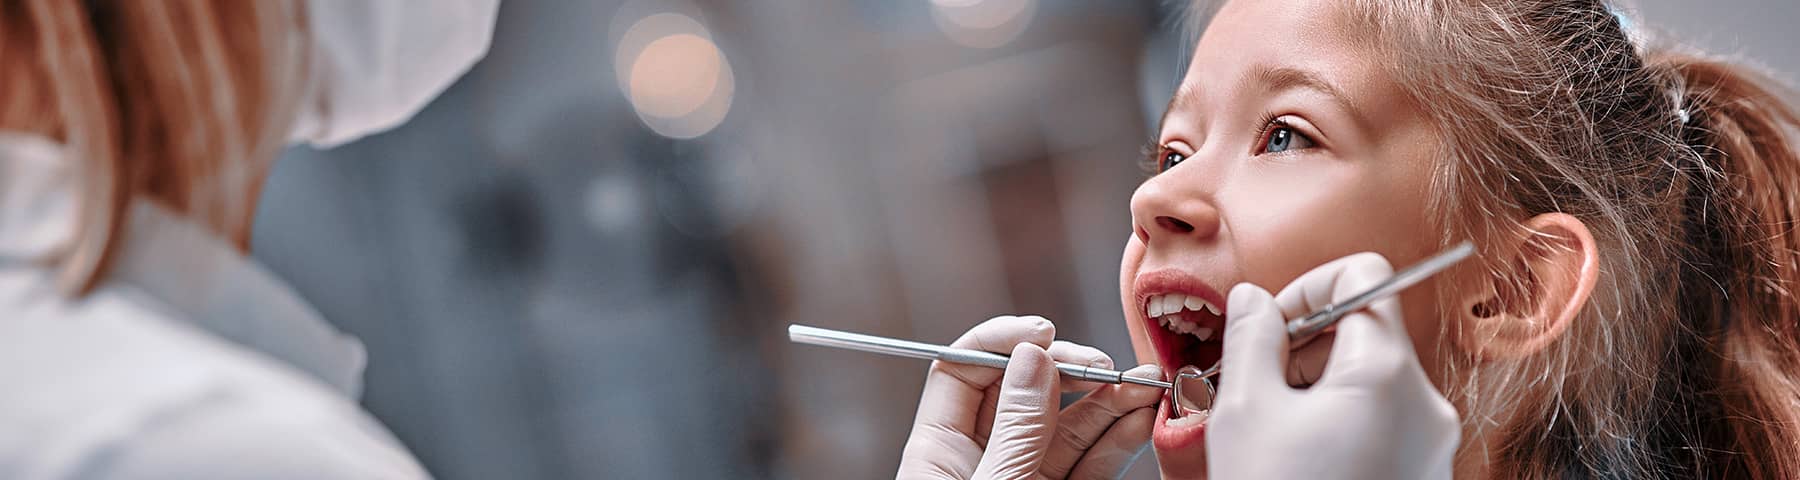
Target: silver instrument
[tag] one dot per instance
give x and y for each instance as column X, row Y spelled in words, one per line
column 905, row 348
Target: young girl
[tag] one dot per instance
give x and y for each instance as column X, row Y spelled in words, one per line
column 1631, row 313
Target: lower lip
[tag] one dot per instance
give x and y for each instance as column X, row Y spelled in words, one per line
column 1173, row 440
column 1180, row 441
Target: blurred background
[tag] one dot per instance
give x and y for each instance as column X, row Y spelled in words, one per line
column 581, row 260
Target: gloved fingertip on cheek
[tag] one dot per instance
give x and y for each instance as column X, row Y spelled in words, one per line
column 1254, row 334
column 1247, row 300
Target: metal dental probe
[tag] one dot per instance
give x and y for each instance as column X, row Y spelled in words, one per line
column 905, row 348
column 1299, row 331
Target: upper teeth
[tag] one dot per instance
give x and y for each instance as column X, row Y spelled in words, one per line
column 1164, row 307
column 1164, row 304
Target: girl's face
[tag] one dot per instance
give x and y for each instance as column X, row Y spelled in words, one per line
column 1285, row 147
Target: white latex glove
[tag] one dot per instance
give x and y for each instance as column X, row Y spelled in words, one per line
column 1373, row 415
column 975, row 423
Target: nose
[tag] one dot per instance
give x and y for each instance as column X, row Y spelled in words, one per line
column 1167, row 209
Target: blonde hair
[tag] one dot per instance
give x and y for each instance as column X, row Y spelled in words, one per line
column 180, row 102
column 1684, row 168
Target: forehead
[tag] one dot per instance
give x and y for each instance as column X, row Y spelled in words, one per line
column 1248, row 28
column 1249, row 44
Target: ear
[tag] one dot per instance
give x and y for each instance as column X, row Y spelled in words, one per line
column 1550, row 275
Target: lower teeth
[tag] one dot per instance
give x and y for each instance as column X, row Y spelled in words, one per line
column 1192, row 397
column 1188, row 420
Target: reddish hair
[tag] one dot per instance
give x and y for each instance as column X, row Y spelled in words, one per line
column 180, row 102
column 1684, row 167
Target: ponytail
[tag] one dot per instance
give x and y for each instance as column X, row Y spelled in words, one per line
column 1737, row 291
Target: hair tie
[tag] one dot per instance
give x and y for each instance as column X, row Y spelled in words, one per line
column 1626, row 25
column 1625, row 22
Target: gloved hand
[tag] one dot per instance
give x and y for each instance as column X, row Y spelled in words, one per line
column 975, row 423
column 1373, row 415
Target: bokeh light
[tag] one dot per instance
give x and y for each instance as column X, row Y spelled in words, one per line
column 678, row 81
column 983, row 23
column 674, row 75
column 612, row 204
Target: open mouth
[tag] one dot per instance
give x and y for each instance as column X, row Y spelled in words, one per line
column 1185, row 319
column 1186, row 329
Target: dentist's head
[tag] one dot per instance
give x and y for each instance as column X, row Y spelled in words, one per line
column 185, row 103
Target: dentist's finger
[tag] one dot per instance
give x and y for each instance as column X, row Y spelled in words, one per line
column 1060, row 351
column 1080, row 428
column 1119, row 448
column 1078, row 354
column 953, row 390
column 1338, row 281
column 1370, row 343
column 1255, row 339
column 1024, row 418
column 950, row 429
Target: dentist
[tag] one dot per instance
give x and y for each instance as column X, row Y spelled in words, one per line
column 137, row 339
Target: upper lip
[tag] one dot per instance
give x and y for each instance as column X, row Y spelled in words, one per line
column 1171, row 280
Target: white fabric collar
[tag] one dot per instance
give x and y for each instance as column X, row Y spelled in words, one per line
column 199, row 277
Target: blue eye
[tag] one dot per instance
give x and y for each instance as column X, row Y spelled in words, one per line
column 1281, row 138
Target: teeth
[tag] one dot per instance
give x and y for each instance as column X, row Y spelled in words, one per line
column 1173, row 302
column 1189, row 420
column 1159, row 305
column 1178, row 325
column 1164, row 308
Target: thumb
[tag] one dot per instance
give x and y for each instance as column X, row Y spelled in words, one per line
column 1024, row 417
column 1255, row 337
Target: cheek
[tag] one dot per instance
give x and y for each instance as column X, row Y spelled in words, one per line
column 1426, row 327
column 1128, row 267
column 1287, row 217
column 1285, row 220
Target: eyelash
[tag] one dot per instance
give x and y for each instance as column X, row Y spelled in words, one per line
column 1265, row 123
column 1150, row 157
column 1153, row 152
column 1269, row 124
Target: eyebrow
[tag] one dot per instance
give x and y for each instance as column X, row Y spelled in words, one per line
column 1269, row 80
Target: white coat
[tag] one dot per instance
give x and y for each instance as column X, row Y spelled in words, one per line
column 189, row 361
